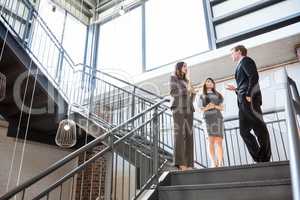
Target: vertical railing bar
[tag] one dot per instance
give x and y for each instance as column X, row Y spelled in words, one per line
column 100, row 179
column 48, row 67
column 43, row 53
column 135, row 181
column 104, row 98
column 123, row 171
column 272, row 156
column 60, row 193
column 246, row 156
column 227, row 148
column 118, row 108
column 172, row 135
column 163, row 135
column 232, row 147
column 200, row 146
column 101, row 93
column 238, row 145
column 92, row 179
column 275, row 139
column 108, row 104
column 72, row 188
column 27, row 24
column 129, row 172
column 113, row 108
column 11, row 12
column 116, row 175
column 111, row 142
column 17, row 15
column 281, row 133
column 23, row 194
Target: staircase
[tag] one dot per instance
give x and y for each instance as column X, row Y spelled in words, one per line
column 134, row 125
column 249, row 182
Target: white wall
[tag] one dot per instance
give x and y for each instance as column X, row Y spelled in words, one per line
column 37, row 157
column 267, row 49
column 271, row 84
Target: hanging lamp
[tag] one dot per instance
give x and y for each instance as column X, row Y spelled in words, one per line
column 66, row 134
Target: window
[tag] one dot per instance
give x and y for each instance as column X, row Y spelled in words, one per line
column 74, row 39
column 120, row 48
column 174, row 30
column 54, row 17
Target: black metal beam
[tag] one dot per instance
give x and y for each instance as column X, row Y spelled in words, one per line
column 211, row 32
column 259, row 30
column 244, row 11
column 216, row 2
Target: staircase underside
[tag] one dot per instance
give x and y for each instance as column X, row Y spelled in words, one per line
column 16, row 63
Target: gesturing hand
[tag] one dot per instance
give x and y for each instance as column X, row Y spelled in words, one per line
column 230, row 87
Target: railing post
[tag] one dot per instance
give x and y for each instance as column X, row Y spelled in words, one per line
column 155, row 144
column 133, row 102
column 109, row 171
column 59, row 66
column 27, row 31
column 227, row 149
column 294, row 140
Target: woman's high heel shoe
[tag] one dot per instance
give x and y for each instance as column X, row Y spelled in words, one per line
column 220, row 163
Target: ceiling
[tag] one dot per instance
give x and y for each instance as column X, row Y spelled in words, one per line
column 97, row 11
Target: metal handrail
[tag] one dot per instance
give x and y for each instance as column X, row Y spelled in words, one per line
column 123, row 81
column 99, row 154
column 75, row 154
column 294, row 133
column 265, row 112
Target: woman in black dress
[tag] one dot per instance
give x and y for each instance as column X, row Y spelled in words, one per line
column 211, row 104
column 183, row 111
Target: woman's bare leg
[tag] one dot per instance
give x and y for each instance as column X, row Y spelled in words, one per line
column 219, row 141
column 211, row 145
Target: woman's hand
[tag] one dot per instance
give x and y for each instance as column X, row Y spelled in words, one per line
column 219, row 107
column 210, row 106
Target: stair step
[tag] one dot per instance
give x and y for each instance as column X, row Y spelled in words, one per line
column 276, row 189
column 254, row 172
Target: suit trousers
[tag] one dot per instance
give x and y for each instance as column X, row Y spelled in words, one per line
column 251, row 118
column 183, row 138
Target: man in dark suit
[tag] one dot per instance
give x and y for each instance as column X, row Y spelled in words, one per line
column 249, row 103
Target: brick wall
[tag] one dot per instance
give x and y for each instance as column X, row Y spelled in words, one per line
column 91, row 183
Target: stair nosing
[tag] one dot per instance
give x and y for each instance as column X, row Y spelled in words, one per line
column 243, row 184
column 238, row 167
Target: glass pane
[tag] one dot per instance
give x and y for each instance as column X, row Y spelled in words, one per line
column 74, row 39
column 120, row 48
column 174, row 30
column 54, row 17
column 258, row 18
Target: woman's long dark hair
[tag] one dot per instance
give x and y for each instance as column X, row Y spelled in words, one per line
column 213, row 89
column 178, row 71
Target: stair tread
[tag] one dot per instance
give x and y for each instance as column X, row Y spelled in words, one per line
column 274, row 182
column 239, row 167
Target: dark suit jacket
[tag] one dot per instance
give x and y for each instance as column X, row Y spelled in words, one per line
column 179, row 90
column 246, row 77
